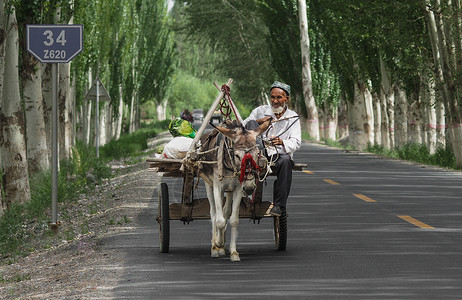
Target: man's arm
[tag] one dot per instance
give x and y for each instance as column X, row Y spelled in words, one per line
column 294, row 141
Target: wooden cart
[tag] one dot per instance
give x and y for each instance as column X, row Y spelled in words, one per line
column 192, row 208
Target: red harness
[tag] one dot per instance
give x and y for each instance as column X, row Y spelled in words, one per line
column 247, row 163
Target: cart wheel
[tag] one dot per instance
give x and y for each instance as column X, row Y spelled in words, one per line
column 164, row 218
column 280, row 230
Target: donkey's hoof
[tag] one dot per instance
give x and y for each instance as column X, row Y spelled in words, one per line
column 214, row 253
column 222, row 251
column 235, row 256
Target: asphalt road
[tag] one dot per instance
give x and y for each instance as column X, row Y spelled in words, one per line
column 360, row 227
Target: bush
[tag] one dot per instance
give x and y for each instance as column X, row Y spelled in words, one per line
column 72, row 181
column 443, row 156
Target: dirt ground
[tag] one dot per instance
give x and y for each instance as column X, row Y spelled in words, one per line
column 79, row 268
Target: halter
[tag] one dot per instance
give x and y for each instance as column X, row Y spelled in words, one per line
column 248, row 165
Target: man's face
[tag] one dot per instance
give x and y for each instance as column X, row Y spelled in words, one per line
column 279, row 98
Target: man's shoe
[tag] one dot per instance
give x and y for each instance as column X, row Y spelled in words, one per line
column 276, row 211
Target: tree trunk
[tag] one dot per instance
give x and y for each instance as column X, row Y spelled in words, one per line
column 430, row 126
column 120, row 115
column 131, row 128
column 64, row 104
column 16, row 175
column 322, row 124
column 440, row 125
column 162, row 111
column 87, row 124
column 377, row 120
column 2, row 67
column 103, row 124
column 330, row 124
column 361, row 118
column 47, row 95
column 343, row 119
column 401, row 119
column 73, row 107
column 415, row 121
column 312, row 112
column 37, row 151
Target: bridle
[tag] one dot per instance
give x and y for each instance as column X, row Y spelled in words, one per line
column 247, row 165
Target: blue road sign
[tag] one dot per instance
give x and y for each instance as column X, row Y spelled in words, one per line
column 54, row 43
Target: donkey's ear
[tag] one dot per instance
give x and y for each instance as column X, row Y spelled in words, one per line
column 227, row 132
column 263, row 126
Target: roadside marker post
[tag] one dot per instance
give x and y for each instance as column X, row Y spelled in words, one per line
column 54, row 44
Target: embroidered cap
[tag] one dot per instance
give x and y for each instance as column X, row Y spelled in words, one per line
column 281, row 86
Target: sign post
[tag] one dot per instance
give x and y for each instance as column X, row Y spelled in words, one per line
column 54, row 44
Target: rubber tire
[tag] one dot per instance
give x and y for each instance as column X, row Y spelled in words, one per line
column 280, row 231
column 164, row 224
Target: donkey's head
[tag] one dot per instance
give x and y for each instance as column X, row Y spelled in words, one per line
column 247, row 156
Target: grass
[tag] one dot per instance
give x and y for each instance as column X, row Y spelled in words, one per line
column 22, row 221
column 443, row 156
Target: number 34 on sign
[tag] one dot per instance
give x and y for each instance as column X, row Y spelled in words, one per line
column 54, row 43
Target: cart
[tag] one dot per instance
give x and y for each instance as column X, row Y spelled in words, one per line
column 194, row 208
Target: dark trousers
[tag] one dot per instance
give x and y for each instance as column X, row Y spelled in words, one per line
column 282, row 170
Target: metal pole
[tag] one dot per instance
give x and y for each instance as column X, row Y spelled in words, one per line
column 97, row 117
column 54, row 148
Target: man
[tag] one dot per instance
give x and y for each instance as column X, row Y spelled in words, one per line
column 285, row 137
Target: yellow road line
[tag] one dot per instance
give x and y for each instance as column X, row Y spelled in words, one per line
column 364, row 198
column 308, row 172
column 331, row 181
column 416, row 222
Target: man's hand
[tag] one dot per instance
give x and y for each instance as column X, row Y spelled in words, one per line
column 276, row 141
column 263, row 120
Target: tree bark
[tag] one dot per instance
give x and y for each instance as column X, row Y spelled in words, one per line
column 401, row 119
column 16, row 175
column 120, row 115
column 361, row 118
column 312, row 112
column 447, row 64
column 46, row 101
column 2, row 68
column 37, row 150
column 377, row 119
column 415, row 121
column 343, row 119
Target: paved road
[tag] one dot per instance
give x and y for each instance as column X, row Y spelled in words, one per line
column 360, row 227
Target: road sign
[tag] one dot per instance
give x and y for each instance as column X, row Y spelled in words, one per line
column 54, row 43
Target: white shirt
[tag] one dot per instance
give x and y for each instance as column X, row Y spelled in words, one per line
column 291, row 138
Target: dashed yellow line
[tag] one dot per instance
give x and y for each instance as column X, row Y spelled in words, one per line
column 364, row 198
column 308, row 172
column 416, row 222
column 331, row 181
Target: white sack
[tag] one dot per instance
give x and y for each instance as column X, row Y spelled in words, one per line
column 177, row 147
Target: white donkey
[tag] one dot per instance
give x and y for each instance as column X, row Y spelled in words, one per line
column 238, row 162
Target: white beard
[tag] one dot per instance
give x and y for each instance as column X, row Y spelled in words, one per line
column 278, row 110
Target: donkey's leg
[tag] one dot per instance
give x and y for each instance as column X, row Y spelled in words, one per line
column 214, row 251
column 227, row 209
column 219, row 218
column 234, row 222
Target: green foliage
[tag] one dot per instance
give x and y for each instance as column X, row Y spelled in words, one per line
column 236, row 31
column 443, row 156
column 190, row 92
column 21, row 219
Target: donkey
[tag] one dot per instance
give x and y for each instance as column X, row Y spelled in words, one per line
column 235, row 174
